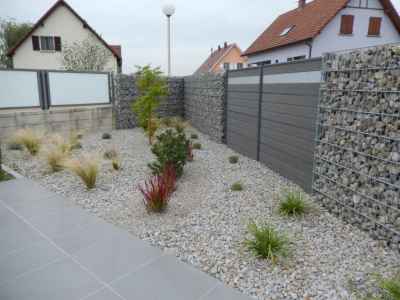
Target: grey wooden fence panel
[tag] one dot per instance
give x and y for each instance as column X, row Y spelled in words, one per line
column 275, row 122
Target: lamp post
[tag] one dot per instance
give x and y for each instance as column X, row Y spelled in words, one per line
column 169, row 10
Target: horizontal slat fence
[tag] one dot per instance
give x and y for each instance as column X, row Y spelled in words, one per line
column 271, row 115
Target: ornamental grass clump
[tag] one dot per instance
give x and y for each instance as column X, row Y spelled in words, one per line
column 389, row 289
column 237, row 187
column 29, row 139
column 293, row 204
column 267, row 242
column 55, row 157
column 116, row 164
column 86, row 168
column 233, row 159
column 158, row 190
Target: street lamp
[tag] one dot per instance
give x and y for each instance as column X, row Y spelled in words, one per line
column 169, row 10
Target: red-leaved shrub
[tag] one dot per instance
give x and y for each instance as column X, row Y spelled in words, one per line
column 158, row 189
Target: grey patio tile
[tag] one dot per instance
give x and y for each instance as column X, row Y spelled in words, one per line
column 15, row 234
column 166, row 279
column 63, row 280
column 62, row 221
column 224, row 293
column 104, row 294
column 85, row 235
column 116, row 254
column 27, row 259
column 20, row 190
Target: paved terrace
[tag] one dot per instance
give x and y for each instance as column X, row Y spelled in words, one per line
column 53, row 250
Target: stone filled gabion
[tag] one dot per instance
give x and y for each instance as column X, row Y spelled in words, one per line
column 358, row 154
column 204, row 104
column 125, row 93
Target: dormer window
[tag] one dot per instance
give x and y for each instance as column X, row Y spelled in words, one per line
column 286, row 30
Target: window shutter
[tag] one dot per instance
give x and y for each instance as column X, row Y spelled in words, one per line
column 35, row 43
column 346, row 26
column 57, row 42
column 374, row 26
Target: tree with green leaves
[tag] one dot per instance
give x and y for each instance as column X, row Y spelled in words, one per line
column 11, row 32
column 86, row 55
column 152, row 86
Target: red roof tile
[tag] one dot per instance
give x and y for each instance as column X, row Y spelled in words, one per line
column 306, row 23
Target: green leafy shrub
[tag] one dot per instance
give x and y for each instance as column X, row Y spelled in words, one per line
column 171, row 148
column 236, row 187
column 234, row 159
column 152, row 86
column 106, row 136
column 29, row 139
column 110, row 154
column 86, row 168
column 266, row 242
column 197, row 146
column 292, row 203
column 194, row 136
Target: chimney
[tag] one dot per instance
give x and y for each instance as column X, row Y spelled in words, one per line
column 302, row 3
column 225, row 45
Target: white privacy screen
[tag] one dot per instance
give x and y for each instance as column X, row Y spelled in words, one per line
column 78, row 88
column 18, row 89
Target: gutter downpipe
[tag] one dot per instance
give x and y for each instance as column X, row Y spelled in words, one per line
column 309, row 44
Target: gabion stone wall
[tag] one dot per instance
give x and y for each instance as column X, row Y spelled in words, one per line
column 205, row 104
column 357, row 158
column 125, row 93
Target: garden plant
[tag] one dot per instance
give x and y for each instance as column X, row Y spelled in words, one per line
column 292, row 203
column 86, row 168
column 152, row 87
column 29, row 139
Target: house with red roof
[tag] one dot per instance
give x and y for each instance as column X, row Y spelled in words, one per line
column 316, row 27
column 42, row 47
column 227, row 57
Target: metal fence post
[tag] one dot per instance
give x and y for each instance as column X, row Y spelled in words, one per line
column 260, row 96
column 225, row 114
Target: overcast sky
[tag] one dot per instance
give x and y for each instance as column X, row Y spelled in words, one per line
column 140, row 27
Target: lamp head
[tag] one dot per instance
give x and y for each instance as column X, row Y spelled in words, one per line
column 168, row 10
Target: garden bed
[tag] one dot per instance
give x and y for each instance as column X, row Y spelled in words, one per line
column 205, row 223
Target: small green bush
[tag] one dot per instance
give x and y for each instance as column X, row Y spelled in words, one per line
column 171, row 148
column 194, row 136
column 196, row 146
column 233, row 159
column 236, row 187
column 110, row 154
column 388, row 289
column 292, row 203
column 266, row 242
column 106, row 136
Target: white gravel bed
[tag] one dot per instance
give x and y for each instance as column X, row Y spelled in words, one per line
column 205, row 223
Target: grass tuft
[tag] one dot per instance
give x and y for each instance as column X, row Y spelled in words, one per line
column 196, row 146
column 237, row 187
column 29, row 139
column 116, row 164
column 234, row 159
column 293, row 204
column 55, row 158
column 86, row 168
column 266, row 242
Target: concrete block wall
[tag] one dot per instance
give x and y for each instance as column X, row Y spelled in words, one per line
column 61, row 119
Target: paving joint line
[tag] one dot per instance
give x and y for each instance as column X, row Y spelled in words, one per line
column 63, row 251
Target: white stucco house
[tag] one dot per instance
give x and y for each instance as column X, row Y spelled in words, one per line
column 321, row 26
column 42, row 47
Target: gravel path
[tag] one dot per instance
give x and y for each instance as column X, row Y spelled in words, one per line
column 206, row 222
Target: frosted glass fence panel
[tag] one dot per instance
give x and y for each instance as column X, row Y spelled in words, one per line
column 19, row 89
column 78, row 88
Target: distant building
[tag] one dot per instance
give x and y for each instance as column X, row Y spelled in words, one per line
column 42, row 47
column 322, row 26
column 228, row 57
